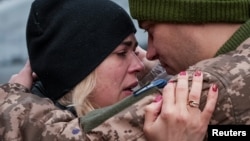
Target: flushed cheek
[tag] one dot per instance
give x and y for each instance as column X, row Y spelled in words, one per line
column 103, row 97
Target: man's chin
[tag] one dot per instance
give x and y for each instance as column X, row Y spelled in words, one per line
column 170, row 71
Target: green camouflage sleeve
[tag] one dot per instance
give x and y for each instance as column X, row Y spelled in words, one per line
column 231, row 73
column 120, row 122
column 24, row 116
column 157, row 72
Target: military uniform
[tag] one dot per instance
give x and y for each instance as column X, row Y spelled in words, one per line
column 231, row 72
column 25, row 116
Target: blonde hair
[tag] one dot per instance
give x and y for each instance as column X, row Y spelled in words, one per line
column 79, row 96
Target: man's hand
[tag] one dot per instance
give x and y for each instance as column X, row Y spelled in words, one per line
column 25, row 76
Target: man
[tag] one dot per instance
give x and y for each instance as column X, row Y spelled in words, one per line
column 123, row 121
column 208, row 35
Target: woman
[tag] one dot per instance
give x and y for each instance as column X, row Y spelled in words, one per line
column 193, row 125
column 84, row 57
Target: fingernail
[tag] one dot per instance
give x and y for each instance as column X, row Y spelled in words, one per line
column 158, row 98
column 183, row 73
column 197, row 73
column 171, row 81
column 215, row 88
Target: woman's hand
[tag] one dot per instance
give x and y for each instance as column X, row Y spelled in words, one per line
column 25, row 76
column 176, row 116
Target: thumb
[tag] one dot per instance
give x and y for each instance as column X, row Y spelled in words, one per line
column 152, row 111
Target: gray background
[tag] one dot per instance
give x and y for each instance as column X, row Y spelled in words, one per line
column 13, row 17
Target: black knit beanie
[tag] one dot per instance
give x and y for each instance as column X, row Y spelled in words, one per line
column 191, row 11
column 68, row 39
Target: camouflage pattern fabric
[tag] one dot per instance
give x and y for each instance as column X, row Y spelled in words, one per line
column 27, row 117
column 120, row 122
column 231, row 72
column 157, row 72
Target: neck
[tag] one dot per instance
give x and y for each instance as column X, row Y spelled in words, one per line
column 216, row 35
column 236, row 39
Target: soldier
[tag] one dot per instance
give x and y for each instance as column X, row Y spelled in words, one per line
column 208, row 35
column 83, row 52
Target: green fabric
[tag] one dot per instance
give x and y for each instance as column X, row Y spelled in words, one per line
column 238, row 37
column 190, row 11
column 97, row 117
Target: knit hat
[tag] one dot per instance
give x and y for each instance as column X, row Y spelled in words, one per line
column 190, row 11
column 68, row 39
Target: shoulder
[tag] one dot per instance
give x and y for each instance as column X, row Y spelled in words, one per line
column 231, row 72
column 22, row 113
column 17, row 94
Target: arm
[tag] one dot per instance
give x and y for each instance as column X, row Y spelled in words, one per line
column 24, row 116
column 126, row 123
column 147, row 63
column 153, row 70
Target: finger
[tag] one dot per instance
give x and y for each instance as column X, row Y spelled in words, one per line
column 141, row 52
column 168, row 95
column 34, row 76
column 13, row 78
column 26, row 70
column 24, row 77
column 210, row 104
column 152, row 111
column 182, row 90
column 196, row 87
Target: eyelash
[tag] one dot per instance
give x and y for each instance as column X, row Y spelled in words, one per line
column 123, row 53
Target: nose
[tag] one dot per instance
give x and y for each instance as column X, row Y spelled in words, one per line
column 151, row 52
column 136, row 64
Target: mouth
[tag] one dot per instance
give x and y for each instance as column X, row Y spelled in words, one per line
column 130, row 89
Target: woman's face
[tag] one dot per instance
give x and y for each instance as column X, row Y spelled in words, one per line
column 117, row 74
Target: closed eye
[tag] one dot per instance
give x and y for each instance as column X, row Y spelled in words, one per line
column 122, row 53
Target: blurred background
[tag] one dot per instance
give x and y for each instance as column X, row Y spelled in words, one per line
column 13, row 52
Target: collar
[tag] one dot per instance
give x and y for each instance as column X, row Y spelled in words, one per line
column 238, row 37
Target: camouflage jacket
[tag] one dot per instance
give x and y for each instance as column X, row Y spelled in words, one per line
column 28, row 117
column 231, row 72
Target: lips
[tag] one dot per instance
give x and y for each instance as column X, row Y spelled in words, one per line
column 130, row 87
